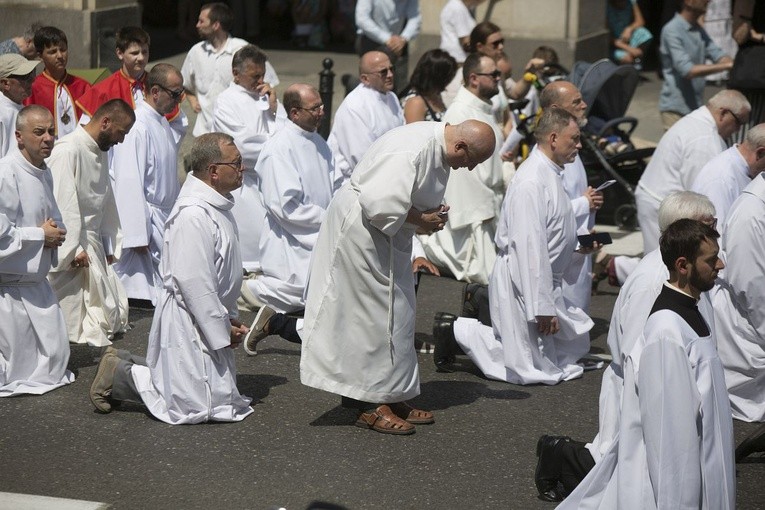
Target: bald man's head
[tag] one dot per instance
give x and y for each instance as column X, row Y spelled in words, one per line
column 376, row 71
column 304, row 106
column 468, row 144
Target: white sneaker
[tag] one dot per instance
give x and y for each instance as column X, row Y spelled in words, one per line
column 257, row 330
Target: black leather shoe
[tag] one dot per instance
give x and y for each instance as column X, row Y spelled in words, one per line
column 753, row 443
column 445, row 349
column 547, row 472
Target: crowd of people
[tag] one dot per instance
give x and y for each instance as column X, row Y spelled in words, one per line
column 322, row 239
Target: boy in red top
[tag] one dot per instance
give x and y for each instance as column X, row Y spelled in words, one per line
column 55, row 89
column 127, row 83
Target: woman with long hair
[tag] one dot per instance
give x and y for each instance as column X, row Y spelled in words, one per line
column 421, row 98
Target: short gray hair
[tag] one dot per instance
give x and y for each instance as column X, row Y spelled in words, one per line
column 206, row 150
column 755, row 137
column 552, row 119
column 732, row 100
column 684, row 205
column 32, row 109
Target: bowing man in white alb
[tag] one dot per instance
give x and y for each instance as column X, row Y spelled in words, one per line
column 630, row 313
column 16, row 77
column 92, row 298
column 146, row 183
column 536, row 336
column 682, row 152
column 465, row 247
column 675, row 440
column 367, row 113
column 295, row 171
column 34, row 348
column 585, row 201
column 249, row 112
column 738, row 300
column 725, row 176
column 189, row 374
column 365, row 352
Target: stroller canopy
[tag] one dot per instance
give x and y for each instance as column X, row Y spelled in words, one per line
column 607, row 88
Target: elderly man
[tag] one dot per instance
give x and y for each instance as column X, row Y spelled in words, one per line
column 564, row 460
column 146, row 183
column 738, row 308
column 682, row 152
column 365, row 352
column 189, row 375
column 34, row 350
column 207, row 69
column 367, row 113
column 389, row 25
column 91, row 296
column 16, row 77
column 725, row 176
column 674, row 447
column 295, row 172
column 21, row 44
column 249, row 112
column 684, row 48
column 585, row 201
column 465, row 247
column 536, row 335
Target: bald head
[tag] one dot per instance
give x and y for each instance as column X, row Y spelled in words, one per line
column 304, row 106
column 468, row 144
column 376, row 71
column 566, row 96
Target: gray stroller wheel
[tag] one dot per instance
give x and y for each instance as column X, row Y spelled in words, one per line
column 625, row 217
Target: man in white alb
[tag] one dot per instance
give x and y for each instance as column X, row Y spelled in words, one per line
column 146, row 183
column 726, row 175
column 249, row 112
column 295, row 171
column 682, row 152
column 92, row 298
column 207, row 67
column 16, row 77
column 536, row 336
column 367, row 113
column 34, row 349
column 465, row 247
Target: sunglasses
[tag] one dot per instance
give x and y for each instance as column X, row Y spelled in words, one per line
column 384, row 72
column 494, row 74
column 175, row 94
column 496, row 44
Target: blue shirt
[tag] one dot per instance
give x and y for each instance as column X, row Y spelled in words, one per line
column 682, row 46
column 380, row 19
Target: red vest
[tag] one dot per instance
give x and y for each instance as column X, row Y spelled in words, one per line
column 45, row 91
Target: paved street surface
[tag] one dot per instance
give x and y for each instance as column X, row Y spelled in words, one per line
column 299, row 446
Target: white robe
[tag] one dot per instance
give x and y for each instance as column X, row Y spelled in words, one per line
column 465, row 246
column 536, row 237
column 678, row 159
column 236, row 114
column 8, row 113
column 675, row 438
column 739, row 310
column 34, row 349
column 295, row 171
column 363, row 117
column 145, row 187
column 190, row 375
column 722, row 180
column 577, row 279
column 92, row 298
column 362, row 257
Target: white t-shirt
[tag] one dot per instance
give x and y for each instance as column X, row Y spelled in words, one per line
column 456, row 22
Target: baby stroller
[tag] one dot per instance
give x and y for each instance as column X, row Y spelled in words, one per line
column 607, row 89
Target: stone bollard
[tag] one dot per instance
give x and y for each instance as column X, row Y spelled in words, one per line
column 326, row 87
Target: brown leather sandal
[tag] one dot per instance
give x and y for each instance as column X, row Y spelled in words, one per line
column 414, row 416
column 383, row 420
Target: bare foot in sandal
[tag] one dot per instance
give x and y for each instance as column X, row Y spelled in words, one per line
column 384, row 421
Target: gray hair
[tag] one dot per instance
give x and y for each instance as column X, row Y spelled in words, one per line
column 552, row 120
column 206, row 150
column 684, row 205
column 27, row 111
column 249, row 53
column 732, row 100
column 755, row 137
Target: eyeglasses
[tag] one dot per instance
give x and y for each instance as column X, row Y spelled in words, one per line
column 494, row 74
column 735, row 117
column 314, row 109
column 384, row 72
column 175, row 94
column 236, row 164
column 496, row 44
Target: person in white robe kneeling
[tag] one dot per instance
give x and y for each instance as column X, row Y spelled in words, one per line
column 295, row 172
column 34, row 347
column 91, row 296
column 675, row 441
column 536, row 335
column 358, row 333
column 145, row 175
column 189, row 375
